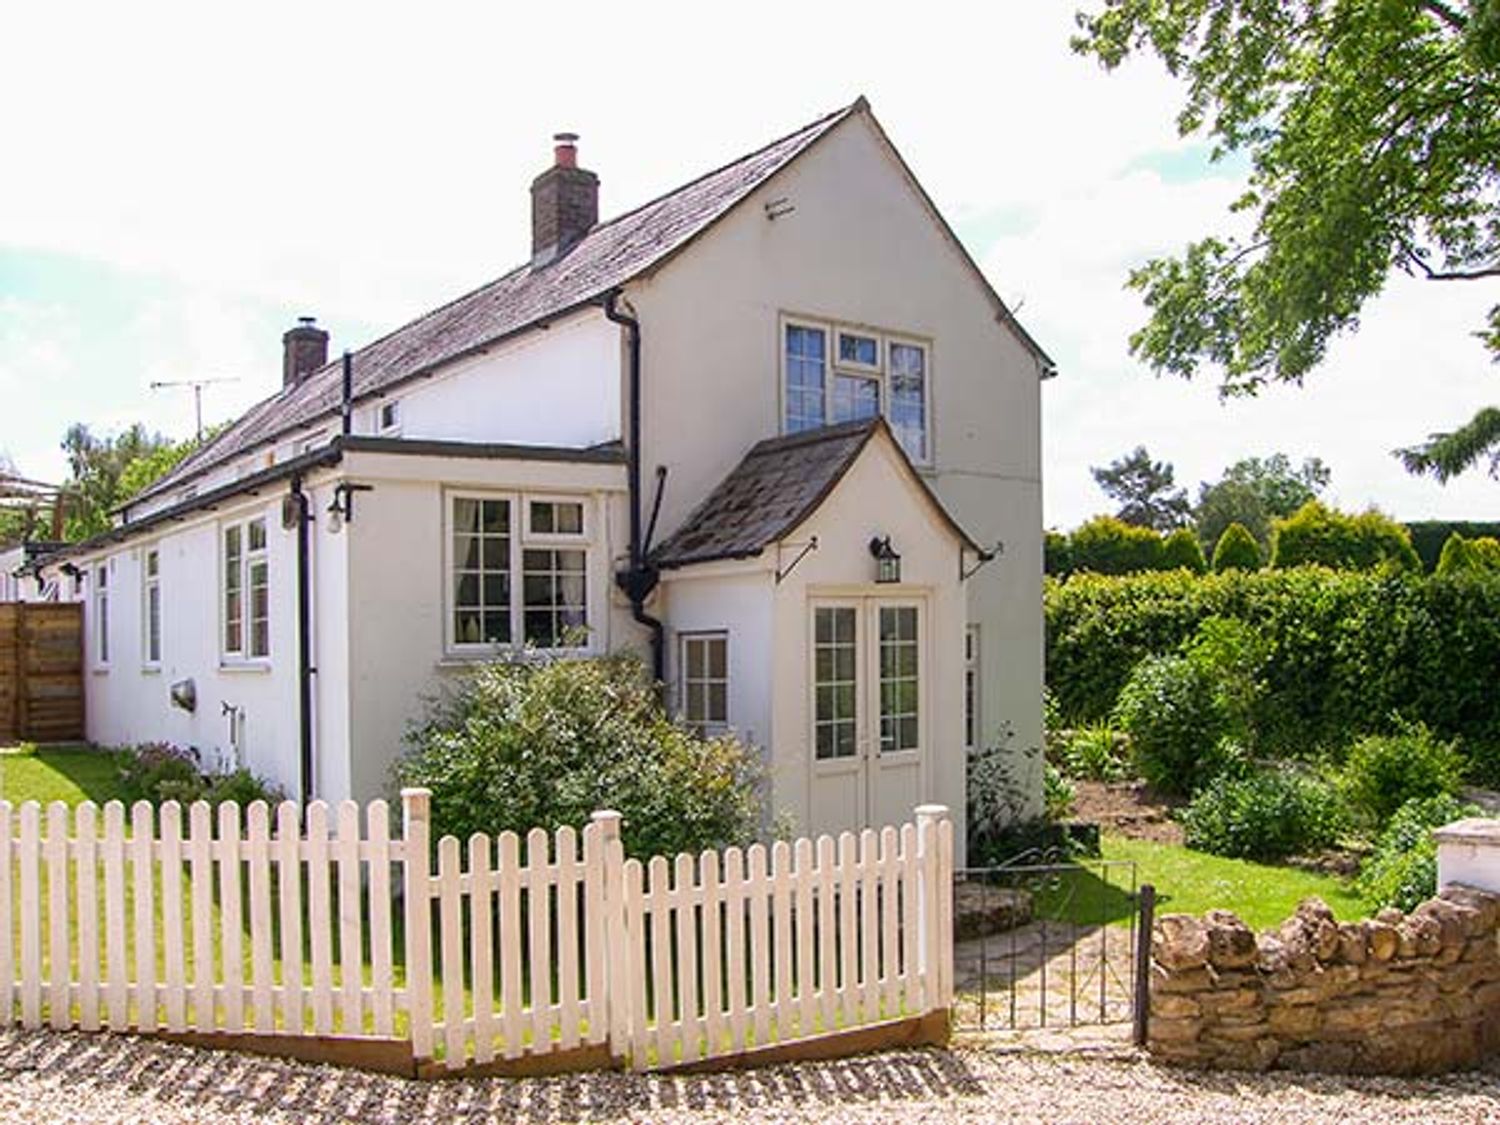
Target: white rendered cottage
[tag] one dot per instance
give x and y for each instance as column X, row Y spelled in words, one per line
column 766, row 430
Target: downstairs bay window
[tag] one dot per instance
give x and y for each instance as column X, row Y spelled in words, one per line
column 518, row 572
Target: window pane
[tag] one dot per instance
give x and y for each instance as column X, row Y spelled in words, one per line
column 718, row 658
column 465, row 515
column 805, row 362
column 718, row 703
column 496, row 627
column 494, row 553
column 496, row 517
column 153, row 623
column 465, row 552
column 466, row 590
column 152, row 563
column 466, row 629
column 855, row 398
column 858, row 349
column 554, row 595
column 550, row 517
column 260, row 609
column 257, row 534
column 909, row 399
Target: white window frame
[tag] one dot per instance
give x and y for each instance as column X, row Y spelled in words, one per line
column 392, row 427
column 248, row 559
column 151, row 584
column 705, row 725
column 520, row 539
column 833, row 368
column 100, row 599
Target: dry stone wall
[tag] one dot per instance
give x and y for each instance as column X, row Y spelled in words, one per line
column 1400, row 994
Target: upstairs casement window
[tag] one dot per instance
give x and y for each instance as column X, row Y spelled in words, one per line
column 151, row 608
column 101, row 615
column 247, row 591
column 517, row 579
column 833, row 374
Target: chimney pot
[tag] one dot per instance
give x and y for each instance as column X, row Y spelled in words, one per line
column 564, row 202
column 304, row 349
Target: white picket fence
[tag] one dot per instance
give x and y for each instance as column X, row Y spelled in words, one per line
column 504, row 949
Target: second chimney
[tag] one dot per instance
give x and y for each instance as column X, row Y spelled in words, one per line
column 304, row 349
column 564, row 202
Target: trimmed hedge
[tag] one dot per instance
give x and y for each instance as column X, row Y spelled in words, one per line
column 1346, row 650
column 1428, row 536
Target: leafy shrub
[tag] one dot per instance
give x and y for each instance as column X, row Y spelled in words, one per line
column 1058, row 793
column 1468, row 556
column 1236, row 550
column 1057, row 554
column 1180, row 550
column 1401, row 871
column 1383, row 772
column 1429, row 536
column 1095, row 752
column 1268, row 814
column 1322, row 535
column 1172, row 710
column 1106, row 545
column 158, row 771
column 1234, row 654
column 1344, row 650
column 543, row 743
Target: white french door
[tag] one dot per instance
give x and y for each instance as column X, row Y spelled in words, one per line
column 868, row 711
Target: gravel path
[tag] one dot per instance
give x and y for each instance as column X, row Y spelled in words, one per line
column 56, row 1077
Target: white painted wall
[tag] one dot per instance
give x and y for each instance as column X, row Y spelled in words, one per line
column 860, row 247
column 397, row 580
column 128, row 703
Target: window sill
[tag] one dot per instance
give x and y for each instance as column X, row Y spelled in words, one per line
column 511, row 656
column 99, row 670
column 151, row 669
column 246, row 667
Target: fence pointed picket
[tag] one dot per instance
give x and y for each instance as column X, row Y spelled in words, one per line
column 481, row 947
column 911, row 984
column 684, row 895
column 758, row 887
column 827, row 935
column 378, row 817
column 890, row 980
column 929, row 855
column 29, row 855
column 116, row 924
column 86, row 881
column 569, row 882
column 450, row 927
column 171, row 915
column 782, row 949
column 258, row 853
column 945, row 913
column 511, row 1006
column 143, row 875
column 7, row 920
column 351, row 915
column 658, row 903
column 632, row 875
column 416, row 818
column 869, row 928
column 231, row 931
column 319, row 925
column 539, row 943
column 802, row 875
column 59, row 963
column 289, row 893
column 607, row 934
column 713, row 952
column 848, row 1011
column 735, row 980
column 200, row 898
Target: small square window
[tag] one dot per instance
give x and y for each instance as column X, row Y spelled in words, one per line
column 857, row 350
column 704, row 677
column 390, row 416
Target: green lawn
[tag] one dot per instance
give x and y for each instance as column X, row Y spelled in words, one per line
column 58, row 773
column 1189, row 882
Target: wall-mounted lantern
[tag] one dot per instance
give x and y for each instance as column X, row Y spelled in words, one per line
column 887, row 561
column 341, row 511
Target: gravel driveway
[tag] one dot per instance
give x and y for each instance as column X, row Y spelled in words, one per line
column 57, row 1076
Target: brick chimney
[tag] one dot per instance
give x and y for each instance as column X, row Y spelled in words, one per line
column 564, row 202
column 304, row 350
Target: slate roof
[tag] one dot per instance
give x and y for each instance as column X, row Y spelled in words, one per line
column 611, row 254
column 778, row 485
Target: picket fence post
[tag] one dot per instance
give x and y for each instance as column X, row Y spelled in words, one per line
column 610, row 998
column 416, row 867
column 933, row 951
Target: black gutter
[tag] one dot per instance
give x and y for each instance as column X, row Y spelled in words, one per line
column 305, row 669
column 610, row 454
column 640, row 579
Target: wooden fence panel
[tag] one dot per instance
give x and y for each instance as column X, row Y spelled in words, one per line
column 41, row 672
column 561, row 946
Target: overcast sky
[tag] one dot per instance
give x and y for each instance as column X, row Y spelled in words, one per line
column 181, row 182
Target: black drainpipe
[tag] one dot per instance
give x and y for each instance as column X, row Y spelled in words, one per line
column 305, row 669
column 641, row 577
column 346, row 407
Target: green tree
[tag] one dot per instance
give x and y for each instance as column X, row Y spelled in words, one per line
column 1236, row 550
column 1057, row 554
column 1106, row 545
column 1373, row 136
column 1181, row 550
column 1144, row 491
column 1254, row 491
column 1323, row 535
column 107, row 471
